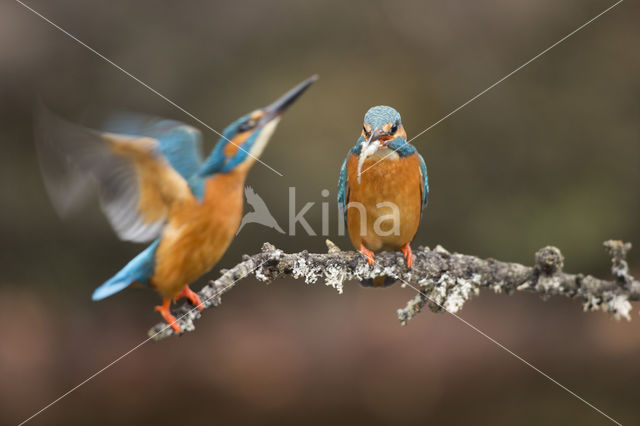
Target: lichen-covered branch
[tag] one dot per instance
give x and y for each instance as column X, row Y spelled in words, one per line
column 445, row 280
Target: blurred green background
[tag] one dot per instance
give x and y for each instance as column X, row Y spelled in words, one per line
column 550, row 156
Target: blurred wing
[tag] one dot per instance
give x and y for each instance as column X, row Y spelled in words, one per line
column 180, row 143
column 137, row 185
column 424, row 189
column 343, row 190
column 67, row 187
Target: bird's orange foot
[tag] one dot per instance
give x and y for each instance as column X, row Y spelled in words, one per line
column 166, row 314
column 368, row 254
column 408, row 254
column 192, row 296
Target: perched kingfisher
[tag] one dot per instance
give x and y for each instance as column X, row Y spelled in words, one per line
column 383, row 188
column 154, row 186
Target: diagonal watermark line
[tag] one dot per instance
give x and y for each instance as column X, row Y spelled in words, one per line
column 145, row 85
column 124, row 355
column 518, row 357
column 499, row 81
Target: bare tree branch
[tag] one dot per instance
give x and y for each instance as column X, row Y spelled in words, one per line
column 446, row 280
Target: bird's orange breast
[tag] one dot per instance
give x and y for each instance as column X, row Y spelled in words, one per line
column 198, row 234
column 384, row 208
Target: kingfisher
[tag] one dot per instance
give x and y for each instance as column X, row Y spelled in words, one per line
column 383, row 189
column 155, row 186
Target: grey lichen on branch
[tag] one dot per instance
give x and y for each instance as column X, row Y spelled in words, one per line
column 445, row 280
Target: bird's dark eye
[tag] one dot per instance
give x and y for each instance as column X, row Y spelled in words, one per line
column 394, row 128
column 247, row 125
column 364, row 129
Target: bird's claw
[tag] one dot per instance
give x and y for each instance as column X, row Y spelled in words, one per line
column 368, row 254
column 166, row 314
column 408, row 255
column 192, row 296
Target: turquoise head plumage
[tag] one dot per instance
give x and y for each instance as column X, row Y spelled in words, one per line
column 243, row 141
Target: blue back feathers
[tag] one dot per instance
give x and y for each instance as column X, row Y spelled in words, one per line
column 180, row 143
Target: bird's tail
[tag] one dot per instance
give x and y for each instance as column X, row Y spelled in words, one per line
column 383, row 281
column 139, row 269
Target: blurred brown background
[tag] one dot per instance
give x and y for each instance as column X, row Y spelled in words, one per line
column 551, row 156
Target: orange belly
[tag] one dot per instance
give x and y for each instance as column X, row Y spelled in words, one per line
column 390, row 197
column 198, row 234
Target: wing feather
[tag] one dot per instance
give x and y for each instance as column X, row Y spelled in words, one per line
column 424, row 189
column 343, row 189
column 136, row 183
column 180, row 143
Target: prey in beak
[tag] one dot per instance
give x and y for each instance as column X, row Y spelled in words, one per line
column 378, row 138
column 367, row 149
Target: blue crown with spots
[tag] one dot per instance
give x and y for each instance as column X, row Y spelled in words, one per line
column 380, row 115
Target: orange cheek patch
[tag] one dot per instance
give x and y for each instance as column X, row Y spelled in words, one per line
column 232, row 147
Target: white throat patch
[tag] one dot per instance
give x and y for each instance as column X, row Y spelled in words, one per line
column 263, row 137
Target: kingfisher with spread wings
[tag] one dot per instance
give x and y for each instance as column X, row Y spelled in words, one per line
column 155, row 186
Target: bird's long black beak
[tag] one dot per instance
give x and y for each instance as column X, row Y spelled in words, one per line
column 285, row 101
